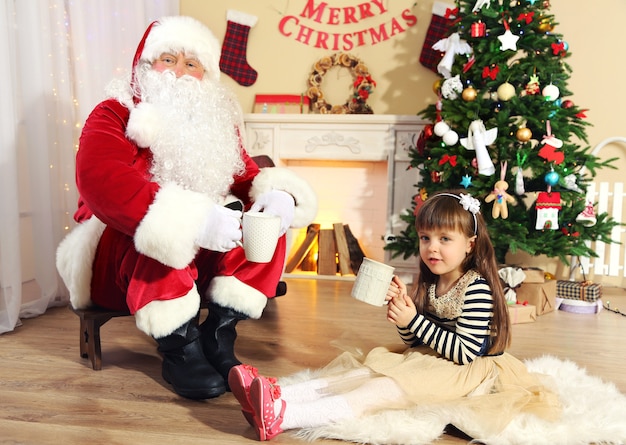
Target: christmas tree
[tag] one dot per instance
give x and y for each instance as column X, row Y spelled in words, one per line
column 504, row 132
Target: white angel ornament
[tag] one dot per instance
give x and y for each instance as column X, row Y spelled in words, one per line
column 478, row 137
column 452, row 46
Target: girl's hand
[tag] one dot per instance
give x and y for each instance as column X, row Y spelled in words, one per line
column 396, row 289
column 401, row 310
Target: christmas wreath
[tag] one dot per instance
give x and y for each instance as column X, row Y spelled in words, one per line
column 363, row 85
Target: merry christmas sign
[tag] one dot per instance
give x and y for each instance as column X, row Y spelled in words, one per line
column 335, row 27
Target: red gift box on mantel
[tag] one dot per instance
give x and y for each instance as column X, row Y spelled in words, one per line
column 522, row 313
column 579, row 290
column 281, row 103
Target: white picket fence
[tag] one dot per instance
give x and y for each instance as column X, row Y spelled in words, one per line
column 609, row 197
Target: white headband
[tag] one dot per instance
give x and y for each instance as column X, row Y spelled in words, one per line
column 469, row 203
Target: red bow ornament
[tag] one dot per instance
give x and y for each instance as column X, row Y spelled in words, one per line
column 526, row 17
column 449, row 159
column 492, row 73
column 557, row 48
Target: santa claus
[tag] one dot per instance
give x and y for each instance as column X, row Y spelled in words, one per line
column 157, row 162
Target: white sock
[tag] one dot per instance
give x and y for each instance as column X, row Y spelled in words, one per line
column 314, row 389
column 303, row 391
column 316, row 413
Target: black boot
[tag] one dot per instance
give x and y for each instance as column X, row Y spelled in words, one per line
column 185, row 366
column 218, row 338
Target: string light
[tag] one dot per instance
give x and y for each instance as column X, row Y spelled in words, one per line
column 607, row 306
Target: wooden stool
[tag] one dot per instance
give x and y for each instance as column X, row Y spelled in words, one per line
column 92, row 319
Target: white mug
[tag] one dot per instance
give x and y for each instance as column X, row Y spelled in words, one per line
column 372, row 282
column 260, row 236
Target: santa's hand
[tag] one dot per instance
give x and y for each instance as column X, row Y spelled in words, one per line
column 221, row 231
column 277, row 203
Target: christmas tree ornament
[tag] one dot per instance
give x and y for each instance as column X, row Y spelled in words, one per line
column 478, row 137
column 451, row 87
column 571, row 183
column 551, row 178
column 499, row 196
column 450, row 138
column 588, row 216
column 548, row 205
column 425, row 134
column 550, row 145
column 448, row 159
column 532, row 87
column 478, row 29
column 469, row 94
column 506, row 91
column 437, row 86
column 508, row 40
column 480, row 4
column 523, row 134
column 419, row 200
column 519, row 181
column 545, row 26
column 451, row 46
column 558, row 49
column 491, row 72
column 551, row 92
column 443, row 16
column 526, row 17
column 519, row 175
column 233, row 59
column 441, row 128
column 567, row 104
column 466, row 181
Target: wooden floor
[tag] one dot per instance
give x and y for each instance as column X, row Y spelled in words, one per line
column 49, row 395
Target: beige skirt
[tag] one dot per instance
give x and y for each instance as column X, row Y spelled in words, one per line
column 491, row 389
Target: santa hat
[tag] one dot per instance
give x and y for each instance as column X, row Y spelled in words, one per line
column 180, row 34
column 169, row 35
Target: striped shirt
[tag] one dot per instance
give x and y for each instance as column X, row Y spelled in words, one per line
column 461, row 337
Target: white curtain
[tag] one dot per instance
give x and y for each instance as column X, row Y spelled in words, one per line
column 58, row 55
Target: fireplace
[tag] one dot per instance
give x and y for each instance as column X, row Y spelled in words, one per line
column 357, row 165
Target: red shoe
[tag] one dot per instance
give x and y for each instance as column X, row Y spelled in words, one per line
column 239, row 379
column 263, row 393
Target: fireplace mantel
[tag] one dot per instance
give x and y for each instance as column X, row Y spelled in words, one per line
column 344, row 138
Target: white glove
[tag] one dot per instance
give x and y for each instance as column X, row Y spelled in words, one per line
column 222, row 229
column 277, row 203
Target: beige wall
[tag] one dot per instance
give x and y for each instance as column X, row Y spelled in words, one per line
column 404, row 87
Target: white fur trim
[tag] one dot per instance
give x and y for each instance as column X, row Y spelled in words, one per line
column 232, row 293
column 179, row 33
column 74, row 260
column 241, row 18
column 168, row 231
column 162, row 317
column 280, row 178
column 144, row 124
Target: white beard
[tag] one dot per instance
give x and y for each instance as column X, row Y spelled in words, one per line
column 198, row 146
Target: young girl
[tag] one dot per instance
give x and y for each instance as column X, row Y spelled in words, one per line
column 456, row 324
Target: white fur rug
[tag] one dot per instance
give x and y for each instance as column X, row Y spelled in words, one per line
column 594, row 412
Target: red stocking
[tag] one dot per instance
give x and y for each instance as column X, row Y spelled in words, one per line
column 440, row 22
column 233, row 58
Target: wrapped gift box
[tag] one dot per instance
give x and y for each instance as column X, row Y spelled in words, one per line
column 534, row 275
column 522, row 313
column 578, row 290
column 281, row 103
column 541, row 295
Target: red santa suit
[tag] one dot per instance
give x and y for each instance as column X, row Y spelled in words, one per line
column 135, row 243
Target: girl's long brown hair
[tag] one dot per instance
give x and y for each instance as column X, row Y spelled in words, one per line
column 444, row 211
